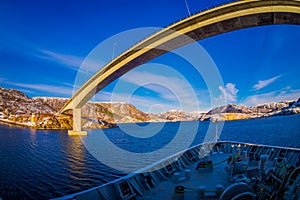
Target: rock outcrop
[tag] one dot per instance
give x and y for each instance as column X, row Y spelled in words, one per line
column 175, row 115
column 40, row 112
column 237, row 112
column 18, row 109
column 106, row 112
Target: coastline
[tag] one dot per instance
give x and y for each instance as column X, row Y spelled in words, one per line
column 24, row 125
column 27, row 124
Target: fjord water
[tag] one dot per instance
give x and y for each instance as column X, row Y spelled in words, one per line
column 38, row 164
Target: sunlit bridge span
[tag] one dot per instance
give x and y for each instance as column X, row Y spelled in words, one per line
column 218, row 20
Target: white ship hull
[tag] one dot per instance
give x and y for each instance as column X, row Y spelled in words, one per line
column 223, row 170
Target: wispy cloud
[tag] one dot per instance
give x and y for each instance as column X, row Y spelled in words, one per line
column 68, row 60
column 165, row 92
column 51, row 89
column 156, row 83
column 146, row 104
column 264, row 83
column 58, row 90
column 275, row 96
column 72, row 61
column 173, row 88
column 229, row 93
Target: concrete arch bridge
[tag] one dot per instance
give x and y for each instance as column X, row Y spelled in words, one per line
column 218, row 20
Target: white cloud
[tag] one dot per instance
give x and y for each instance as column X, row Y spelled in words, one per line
column 73, row 62
column 171, row 92
column 173, row 89
column 275, row 96
column 56, row 90
column 141, row 102
column 146, row 103
column 158, row 83
column 229, row 92
column 264, row 83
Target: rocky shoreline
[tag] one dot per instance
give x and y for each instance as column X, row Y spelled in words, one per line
column 17, row 109
column 53, row 123
column 238, row 112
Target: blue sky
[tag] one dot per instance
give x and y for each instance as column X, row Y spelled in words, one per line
column 43, row 44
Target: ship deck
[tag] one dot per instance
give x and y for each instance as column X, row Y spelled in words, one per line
column 209, row 180
column 207, row 171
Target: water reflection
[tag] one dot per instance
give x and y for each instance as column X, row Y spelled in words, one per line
column 32, row 137
column 76, row 153
column 49, row 164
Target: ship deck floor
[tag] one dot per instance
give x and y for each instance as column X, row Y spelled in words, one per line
column 166, row 189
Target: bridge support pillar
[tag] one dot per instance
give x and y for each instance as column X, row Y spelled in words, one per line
column 77, row 124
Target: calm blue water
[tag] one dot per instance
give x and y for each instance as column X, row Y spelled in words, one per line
column 49, row 164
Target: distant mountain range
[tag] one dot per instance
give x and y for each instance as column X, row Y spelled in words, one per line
column 236, row 112
column 39, row 112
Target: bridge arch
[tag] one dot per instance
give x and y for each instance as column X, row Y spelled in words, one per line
column 218, row 20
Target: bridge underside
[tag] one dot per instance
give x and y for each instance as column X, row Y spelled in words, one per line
column 234, row 16
column 195, row 35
